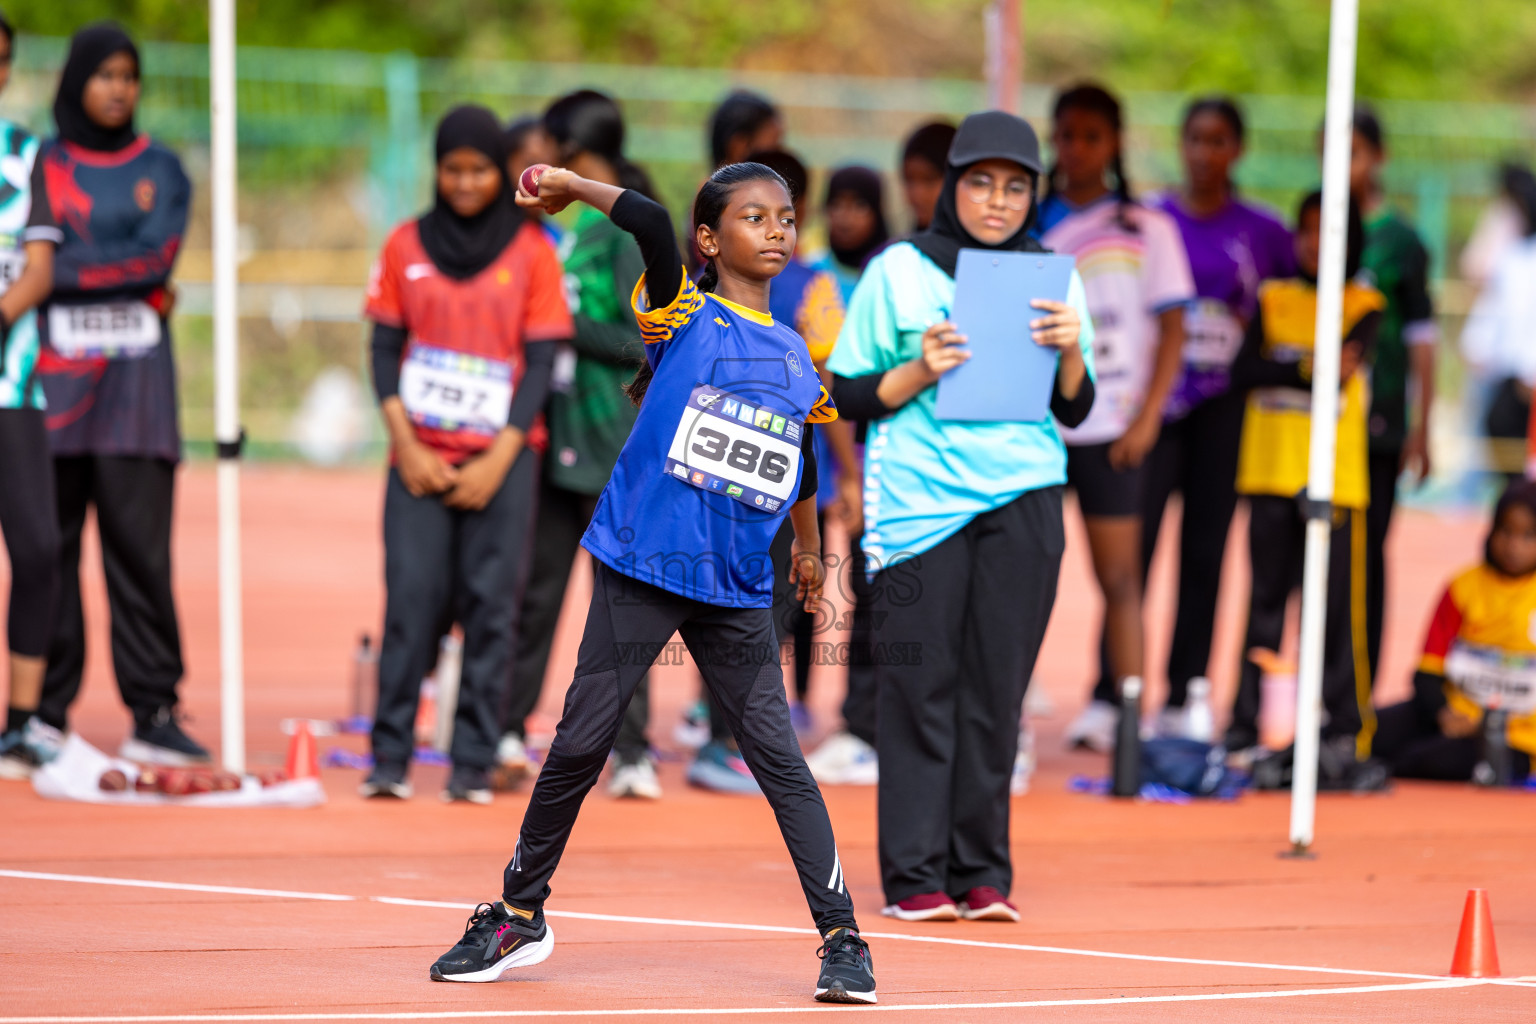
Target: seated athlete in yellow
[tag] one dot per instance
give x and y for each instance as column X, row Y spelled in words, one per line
column 1480, row 652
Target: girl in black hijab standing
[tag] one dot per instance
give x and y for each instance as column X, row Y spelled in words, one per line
column 467, row 307
column 120, row 200
column 963, row 525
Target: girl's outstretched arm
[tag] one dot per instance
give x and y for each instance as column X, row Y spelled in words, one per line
column 648, row 221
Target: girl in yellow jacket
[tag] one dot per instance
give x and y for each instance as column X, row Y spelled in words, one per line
column 1480, row 653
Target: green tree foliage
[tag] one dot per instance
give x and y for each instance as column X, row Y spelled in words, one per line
column 1409, row 49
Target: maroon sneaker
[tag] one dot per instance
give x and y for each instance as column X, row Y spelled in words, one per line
column 928, row 906
column 985, row 903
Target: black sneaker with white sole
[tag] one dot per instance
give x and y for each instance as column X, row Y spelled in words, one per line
column 495, row 941
column 158, row 739
column 469, row 784
column 847, row 970
column 386, row 780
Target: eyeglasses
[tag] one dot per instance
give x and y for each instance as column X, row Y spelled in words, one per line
column 979, row 188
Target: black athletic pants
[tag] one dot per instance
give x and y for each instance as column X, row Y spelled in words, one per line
column 1409, row 739
column 738, row 654
column 1384, row 469
column 1276, row 548
column 444, row 565
column 958, row 629
column 29, row 519
column 133, row 497
column 1196, row 456
column 561, row 519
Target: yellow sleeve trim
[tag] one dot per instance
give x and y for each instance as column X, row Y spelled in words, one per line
column 1432, row 664
column 823, row 411
column 658, row 325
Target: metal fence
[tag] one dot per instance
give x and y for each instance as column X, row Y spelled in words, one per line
column 335, row 148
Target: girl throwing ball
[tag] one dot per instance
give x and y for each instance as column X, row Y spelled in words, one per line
column 719, row 455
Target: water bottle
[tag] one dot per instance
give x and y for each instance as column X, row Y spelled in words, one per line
column 1199, row 719
column 365, row 681
column 1127, row 765
column 1496, row 767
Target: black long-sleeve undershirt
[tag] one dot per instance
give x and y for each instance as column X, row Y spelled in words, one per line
column 651, row 225
column 388, row 344
column 858, row 398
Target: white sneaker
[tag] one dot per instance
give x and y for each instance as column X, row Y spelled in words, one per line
column 636, row 780
column 512, row 763
column 692, row 732
column 29, row 748
column 1038, row 703
column 1094, row 729
column 1023, row 762
column 844, row 760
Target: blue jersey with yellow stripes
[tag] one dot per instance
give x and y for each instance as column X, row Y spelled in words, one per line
column 713, row 462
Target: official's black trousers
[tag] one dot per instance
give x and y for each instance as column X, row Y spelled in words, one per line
column 29, row 519
column 1196, row 456
column 957, row 632
column 737, row 652
column 444, row 565
column 1384, row 469
column 559, row 523
column 133, row 498
column 1276, row 549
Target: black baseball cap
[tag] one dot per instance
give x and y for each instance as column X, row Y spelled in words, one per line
column 995, row 135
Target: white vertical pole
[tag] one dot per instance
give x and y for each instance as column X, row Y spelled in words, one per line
column 226, row 369
column 1337, row 129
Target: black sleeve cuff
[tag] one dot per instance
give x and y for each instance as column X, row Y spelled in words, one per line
column 858, row 398
column 385, row 349
column 808, row 471
column 533, row 389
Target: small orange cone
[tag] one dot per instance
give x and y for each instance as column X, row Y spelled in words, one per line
column 303, row 757
column 1475, row 955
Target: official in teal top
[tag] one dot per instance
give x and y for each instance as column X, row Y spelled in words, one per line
column 964, row 522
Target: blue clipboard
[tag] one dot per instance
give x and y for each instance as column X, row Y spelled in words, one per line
column 1008, row 377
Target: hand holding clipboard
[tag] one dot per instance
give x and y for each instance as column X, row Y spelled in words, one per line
column 1014, row 345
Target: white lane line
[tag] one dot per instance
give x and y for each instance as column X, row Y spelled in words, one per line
column 728, row 1012
column 935, row 940
column 725, row 926
column 140, row 883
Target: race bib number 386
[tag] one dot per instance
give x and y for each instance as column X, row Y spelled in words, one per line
column 453, row 391
column 110, row 330
column 742, row 450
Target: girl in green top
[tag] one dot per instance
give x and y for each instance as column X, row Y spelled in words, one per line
column 589, row 419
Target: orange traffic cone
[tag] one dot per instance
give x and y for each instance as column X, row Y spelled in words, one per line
column 1475, row 955
column 303, row 757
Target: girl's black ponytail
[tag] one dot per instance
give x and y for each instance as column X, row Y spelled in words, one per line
column 709, row 277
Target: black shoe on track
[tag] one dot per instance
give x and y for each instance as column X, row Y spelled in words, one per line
column 159, row 739
column 495, row 941
column 847, row 970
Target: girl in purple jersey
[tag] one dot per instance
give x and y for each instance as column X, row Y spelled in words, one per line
column 1232, row 244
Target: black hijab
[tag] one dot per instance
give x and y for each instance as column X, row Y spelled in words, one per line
column 864, row 185
column 461, row 247
column 986, row 136
column 87, row 50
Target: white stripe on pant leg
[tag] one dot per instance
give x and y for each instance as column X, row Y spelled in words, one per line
column 836, row 881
